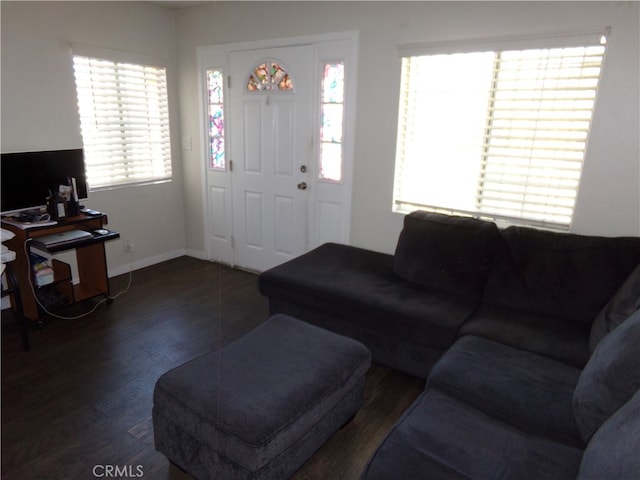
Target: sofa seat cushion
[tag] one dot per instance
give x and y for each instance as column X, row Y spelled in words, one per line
column 442, row 437
column 361, row 285
column 543, row 334
column 571, row 276
column 528, row 391
column 610, row 378
column 446, row 253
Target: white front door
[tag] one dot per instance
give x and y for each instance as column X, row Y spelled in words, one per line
column 270, row 149
column 268, row 198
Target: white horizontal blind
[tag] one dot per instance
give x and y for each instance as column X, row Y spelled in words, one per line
column 498, row 135
column 124, row 118
column 538, row 123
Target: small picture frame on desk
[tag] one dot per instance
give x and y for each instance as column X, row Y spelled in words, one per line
column 57, row 207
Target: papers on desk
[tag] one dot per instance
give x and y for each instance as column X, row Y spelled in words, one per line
column 26, row 225
column 7, row 255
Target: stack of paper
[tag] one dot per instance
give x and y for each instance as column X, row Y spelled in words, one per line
column 42, row 271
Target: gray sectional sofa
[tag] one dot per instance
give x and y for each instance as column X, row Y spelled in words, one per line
column 529, row 341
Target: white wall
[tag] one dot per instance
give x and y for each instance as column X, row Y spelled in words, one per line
column 609, row 201
column 39, row 106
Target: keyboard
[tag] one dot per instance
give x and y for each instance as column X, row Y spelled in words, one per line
column 62, row 238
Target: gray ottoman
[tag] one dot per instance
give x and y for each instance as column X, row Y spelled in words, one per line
column 262, row 405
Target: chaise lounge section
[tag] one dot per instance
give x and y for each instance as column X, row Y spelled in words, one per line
column 528, row 340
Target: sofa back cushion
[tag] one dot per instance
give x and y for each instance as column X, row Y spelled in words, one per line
column 613, row 452
column 620, row 307
column 446, row 253
column 610, row 378
column 568, row 276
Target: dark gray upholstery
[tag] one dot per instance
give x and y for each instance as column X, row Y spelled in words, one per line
column 610, row 378
column 528, row 391
column 535, row 290
column 357, row 287
column 618, row 309
column 569, row 276
column 388, row 347
column 259, row 407
column 441, row 437
column 534, row 332
column 505, row 321
column 446, row 253
column 614, row 450
column 494, row 411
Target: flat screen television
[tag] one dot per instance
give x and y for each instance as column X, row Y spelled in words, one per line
column 29, row 177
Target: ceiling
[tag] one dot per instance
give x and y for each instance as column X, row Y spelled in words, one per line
column 177, row 4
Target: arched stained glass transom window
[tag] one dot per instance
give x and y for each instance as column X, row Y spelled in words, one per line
column 269, row 76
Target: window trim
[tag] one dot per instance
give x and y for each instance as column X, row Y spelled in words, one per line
column 522, row 42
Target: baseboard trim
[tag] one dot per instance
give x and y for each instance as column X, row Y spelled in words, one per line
column 145, row 262
column 199, row 254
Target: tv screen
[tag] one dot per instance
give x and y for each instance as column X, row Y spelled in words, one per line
column 28, row 177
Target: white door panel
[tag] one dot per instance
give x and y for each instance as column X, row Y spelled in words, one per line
column 270, row 135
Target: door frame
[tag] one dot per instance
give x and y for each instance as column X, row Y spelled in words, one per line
column 217, row 56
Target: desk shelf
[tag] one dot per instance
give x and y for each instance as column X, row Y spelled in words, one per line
column 93, row 279
column 59, row 293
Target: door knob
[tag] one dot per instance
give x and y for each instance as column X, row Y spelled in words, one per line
column 302, row 186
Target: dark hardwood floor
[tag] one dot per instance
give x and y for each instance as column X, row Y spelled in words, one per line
column 81, row 399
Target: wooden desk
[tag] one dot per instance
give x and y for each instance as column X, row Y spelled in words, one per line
column 90, row 256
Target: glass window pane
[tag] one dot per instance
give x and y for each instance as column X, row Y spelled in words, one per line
column 332, row 122
column 269, row 76
column 333, row 84
column 217, row 153
column 124, row 119
column 496, row 134
column 331, row 166
column 216, row 122
column 215, row 84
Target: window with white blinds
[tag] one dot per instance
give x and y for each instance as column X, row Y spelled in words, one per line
column 124, row 117
column 498, row 134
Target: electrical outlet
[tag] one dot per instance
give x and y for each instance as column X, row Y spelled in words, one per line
column 127, row 246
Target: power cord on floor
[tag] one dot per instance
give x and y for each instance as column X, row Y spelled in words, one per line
column 108, row 298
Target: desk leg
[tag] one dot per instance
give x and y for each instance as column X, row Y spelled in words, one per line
column 14, row 290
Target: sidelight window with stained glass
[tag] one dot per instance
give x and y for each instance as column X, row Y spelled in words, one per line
column 332, row 120
column 215, row 95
